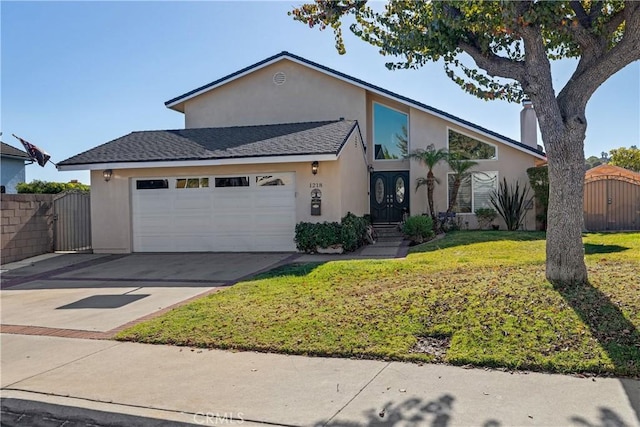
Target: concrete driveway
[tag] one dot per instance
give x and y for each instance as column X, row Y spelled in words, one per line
column 94, row 296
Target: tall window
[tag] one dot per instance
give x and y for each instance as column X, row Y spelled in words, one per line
column 390, row 133
column 475, row 191
column 471, row 148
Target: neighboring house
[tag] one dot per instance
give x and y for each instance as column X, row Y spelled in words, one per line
column 12, row 167
column 611, row 199
column 282, row 141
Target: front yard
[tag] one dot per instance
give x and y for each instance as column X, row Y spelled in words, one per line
column 477, row 298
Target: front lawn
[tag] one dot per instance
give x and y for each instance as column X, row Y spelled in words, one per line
column 476, row 298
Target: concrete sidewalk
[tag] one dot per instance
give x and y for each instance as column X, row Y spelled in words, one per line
column 96, row 382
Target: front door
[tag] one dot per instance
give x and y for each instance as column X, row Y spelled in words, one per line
column 389, row 195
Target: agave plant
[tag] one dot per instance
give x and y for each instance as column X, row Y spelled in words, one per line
column 510, row 202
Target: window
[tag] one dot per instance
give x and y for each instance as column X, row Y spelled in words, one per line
column 233, row 181
column 470, row 147
column 273, row 180
column 475, row 191
column 192, row 182
column 152, row 184
column 390, row 136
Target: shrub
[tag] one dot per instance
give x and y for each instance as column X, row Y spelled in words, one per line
column 485, row 217
column 418, row 228
column 353, row 232
column 350, row 233
column 310, row 235
column 539, row 181
column 510, row 203
column 46, row 187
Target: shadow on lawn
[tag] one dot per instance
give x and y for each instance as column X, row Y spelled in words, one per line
column 462, row 238
column 440, row 413
column 590, row 249
column 296, row 270
column 616, row 334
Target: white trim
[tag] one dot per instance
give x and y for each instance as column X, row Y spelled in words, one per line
column 373, row 129
column 362, row 86
column 477, row 139
column 211, row 162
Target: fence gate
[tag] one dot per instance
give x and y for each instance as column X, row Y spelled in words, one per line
column 72, row 222
column 611, row 203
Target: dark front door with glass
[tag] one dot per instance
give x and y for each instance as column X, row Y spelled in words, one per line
column 389, row 196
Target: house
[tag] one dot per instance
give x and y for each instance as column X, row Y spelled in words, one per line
column 282, row 141
column 12, row 167
column 611, row 199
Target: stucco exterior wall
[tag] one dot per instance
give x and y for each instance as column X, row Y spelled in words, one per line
column 354, row 178
column 111, row 201
column 511, row 164
column 306, row 95
column 12, row 171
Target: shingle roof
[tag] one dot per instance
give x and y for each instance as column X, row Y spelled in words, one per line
column 287, row 139
column 8, row 150
column 401, row 98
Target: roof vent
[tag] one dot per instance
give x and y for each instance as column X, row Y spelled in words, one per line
column 279, row 78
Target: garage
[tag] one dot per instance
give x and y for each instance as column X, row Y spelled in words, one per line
column 230, row 213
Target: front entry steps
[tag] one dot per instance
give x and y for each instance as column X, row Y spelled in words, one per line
column 390, row 243
column 388, row 235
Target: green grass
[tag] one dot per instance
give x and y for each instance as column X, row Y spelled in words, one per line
column 486, row 291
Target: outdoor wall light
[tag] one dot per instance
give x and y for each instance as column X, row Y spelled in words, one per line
column 314, row 168
column 107, row 174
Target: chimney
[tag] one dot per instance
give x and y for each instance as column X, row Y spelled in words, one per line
column 528, row 125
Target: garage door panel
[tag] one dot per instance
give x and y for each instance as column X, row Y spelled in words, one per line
column 220, row 219
column 186, row 225
column 194, row 243
column 232, row 223
column 199, row 202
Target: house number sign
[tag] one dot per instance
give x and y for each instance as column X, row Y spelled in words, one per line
column 315, row 185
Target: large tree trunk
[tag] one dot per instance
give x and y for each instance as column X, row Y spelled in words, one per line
column 565, row 250
column 563, row 125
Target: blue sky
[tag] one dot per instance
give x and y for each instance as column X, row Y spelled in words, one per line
column 78, row 74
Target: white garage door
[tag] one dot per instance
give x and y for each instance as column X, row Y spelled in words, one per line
column 234, row 213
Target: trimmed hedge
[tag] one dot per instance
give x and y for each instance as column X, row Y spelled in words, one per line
column 351, row 233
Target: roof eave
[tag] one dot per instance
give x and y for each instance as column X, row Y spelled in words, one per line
column 294, row 158
column 10, row 156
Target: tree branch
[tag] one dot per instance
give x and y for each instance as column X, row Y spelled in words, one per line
column 494, row 65
column 596, row 10
column 597, row 66
column 582, row 32
column 615, row 21
column 581, row 14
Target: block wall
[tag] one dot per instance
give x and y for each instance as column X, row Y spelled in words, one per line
column 27, row 226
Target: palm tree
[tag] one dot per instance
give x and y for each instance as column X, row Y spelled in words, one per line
column 460, row 166
column 429, row 158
